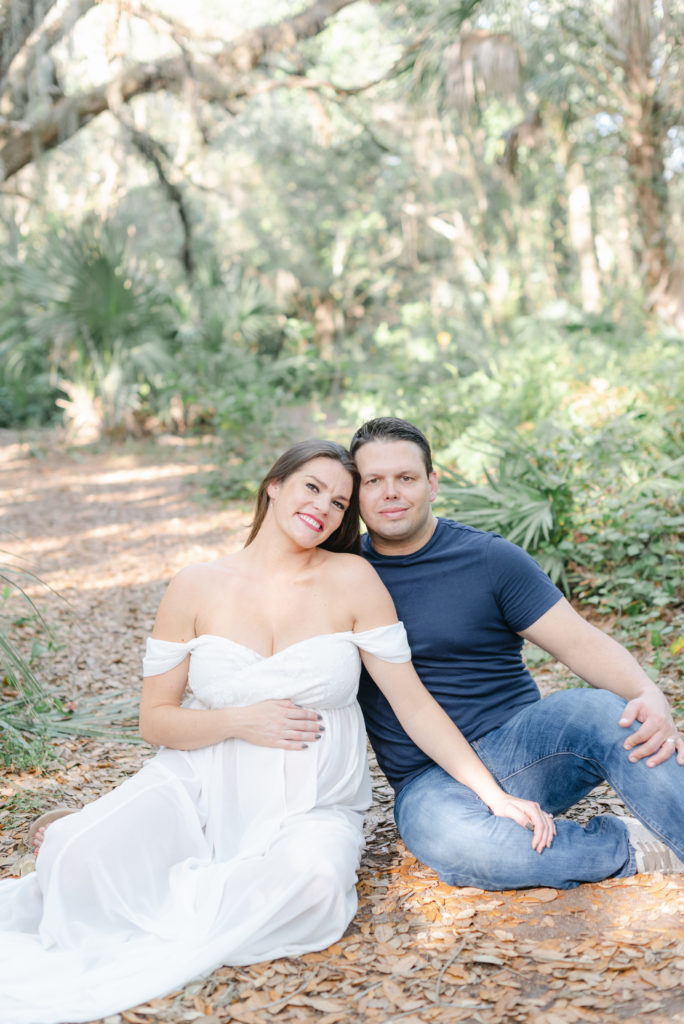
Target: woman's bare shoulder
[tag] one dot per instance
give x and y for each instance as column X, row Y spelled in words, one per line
column 190, row 592
column 354, row 570
column 200, row 576
column 367, row 599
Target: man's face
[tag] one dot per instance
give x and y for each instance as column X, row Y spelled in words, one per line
column 396, row 495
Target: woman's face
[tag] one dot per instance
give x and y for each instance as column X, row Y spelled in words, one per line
column 311, row 503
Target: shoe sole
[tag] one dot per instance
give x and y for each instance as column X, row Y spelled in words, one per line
column 46, row 819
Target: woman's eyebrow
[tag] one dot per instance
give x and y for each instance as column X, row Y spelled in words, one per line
column 324, row 486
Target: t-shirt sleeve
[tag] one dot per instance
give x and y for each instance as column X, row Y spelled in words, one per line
column 522, row 589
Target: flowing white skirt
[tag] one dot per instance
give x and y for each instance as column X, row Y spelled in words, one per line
column 167, row 878
column 230, row 854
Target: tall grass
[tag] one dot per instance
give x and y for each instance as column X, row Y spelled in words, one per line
column 32, row 716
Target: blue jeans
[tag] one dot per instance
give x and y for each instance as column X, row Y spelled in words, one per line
column 555, row 752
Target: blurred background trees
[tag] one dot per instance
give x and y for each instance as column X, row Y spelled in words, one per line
column 260, row 220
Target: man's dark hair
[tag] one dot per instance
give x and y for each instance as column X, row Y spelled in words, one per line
column 390, row 428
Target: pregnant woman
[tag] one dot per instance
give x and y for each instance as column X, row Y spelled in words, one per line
column 240, row 840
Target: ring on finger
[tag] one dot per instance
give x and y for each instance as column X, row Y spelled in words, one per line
column 670, row 739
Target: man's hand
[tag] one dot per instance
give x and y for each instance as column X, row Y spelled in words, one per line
column 278, row 723
column 657, row 738
column 529, row 814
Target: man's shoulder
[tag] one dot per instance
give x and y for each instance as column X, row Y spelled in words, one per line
column 456, row 528
column 499, row 554
column 453, row 535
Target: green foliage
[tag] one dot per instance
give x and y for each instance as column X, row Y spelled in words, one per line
column 527, row 497
column 31, row 715
column 602, row 511
column 228, row 348
column 667, row 643
column 78, row 313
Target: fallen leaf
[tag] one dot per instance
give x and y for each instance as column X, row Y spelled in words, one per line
column 318, row 1003
column 539, row 895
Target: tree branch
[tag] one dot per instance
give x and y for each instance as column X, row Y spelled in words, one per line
column 55, row 28
column 153, row 151
column 216, row 79
column 18, row 21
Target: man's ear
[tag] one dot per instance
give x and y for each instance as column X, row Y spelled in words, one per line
column 434, row 485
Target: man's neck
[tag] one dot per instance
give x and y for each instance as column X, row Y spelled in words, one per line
column 406, row 546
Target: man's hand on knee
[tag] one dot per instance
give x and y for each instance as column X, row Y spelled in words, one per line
column 529, row 815
column 657, row 737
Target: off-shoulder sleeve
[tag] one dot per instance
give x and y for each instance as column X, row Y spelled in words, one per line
column 162, row 655
column 386, row 642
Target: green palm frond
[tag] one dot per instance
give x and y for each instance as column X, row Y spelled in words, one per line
column 31, row 714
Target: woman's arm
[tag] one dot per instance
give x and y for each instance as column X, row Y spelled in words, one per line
column 271, row 723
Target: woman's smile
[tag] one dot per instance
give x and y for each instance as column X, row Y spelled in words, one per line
column 311, row 521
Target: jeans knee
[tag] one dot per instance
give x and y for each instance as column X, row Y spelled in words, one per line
column 440, row 821
column 590, row 715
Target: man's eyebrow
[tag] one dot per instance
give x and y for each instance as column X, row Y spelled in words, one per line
column 398, row 472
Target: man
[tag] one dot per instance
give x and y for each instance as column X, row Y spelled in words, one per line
column 468, row 599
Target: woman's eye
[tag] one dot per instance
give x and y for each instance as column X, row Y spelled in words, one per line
column 312, row 487
column 338, row 504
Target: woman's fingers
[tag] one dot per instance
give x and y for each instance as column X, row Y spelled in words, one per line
column 282, row 723
column 302, row 724
column 301, row 717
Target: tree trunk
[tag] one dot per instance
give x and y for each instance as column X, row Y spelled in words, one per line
column 17, row 22
column 645, row 159
column 582, row 237
column 644, row 134
column 625, row 255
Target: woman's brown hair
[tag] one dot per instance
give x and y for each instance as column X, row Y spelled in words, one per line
column 346, row 537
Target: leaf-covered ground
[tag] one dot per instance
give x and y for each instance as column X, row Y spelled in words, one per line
column 106, row 530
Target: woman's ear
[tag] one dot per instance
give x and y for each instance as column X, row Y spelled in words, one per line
column 273, row 489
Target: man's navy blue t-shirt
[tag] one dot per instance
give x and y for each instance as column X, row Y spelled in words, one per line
column 463, row 597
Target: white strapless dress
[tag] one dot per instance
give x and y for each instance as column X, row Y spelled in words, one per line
column 230, row 854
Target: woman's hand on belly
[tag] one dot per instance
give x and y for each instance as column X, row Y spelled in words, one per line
column 277, row 723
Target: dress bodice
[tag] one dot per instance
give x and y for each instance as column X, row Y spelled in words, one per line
column 320, row 671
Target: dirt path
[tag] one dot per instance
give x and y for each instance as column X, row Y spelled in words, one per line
column 106, row 530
